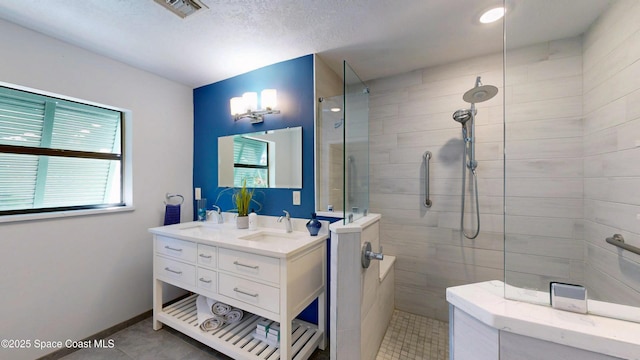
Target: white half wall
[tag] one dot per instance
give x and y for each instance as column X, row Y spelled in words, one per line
column 69, row 278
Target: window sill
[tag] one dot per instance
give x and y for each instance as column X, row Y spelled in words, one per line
column 64, row 214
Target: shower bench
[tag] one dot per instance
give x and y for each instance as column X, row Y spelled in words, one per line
column 276, row 280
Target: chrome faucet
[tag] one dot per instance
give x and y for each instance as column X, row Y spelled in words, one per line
column 218, row 214
column 287, row 217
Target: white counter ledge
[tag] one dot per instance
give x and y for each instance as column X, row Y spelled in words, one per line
column 229, row 236
column 485, row 302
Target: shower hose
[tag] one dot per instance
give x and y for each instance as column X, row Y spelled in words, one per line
column 467, row 142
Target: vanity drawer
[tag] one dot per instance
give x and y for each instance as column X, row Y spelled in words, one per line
column 207, row 255
column 256, row 266
column 179, row 249
column 250, row 292
column 171, row 269
column 207, row 280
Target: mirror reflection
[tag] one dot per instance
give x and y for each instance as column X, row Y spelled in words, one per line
column 265, row 159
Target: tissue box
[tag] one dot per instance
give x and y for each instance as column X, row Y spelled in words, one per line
column 273, row 337
column 274, row 333
column 263, row 325
column 275, row 329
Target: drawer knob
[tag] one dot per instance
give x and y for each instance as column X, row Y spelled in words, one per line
column 208, row 281
column 170, row 248
column 205, row 256
column 173, row 271
column 245, row 265
column 246, row 293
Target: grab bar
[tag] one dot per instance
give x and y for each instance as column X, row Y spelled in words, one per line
column 618, row 240
column 351, row 174
column 426, row 157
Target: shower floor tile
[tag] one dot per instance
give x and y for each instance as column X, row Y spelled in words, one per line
column 411, row 336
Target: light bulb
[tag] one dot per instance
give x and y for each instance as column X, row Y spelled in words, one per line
column 269, row 99
column 237, row 106
column 250, row 101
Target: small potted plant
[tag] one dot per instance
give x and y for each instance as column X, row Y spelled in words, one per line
column 242, row 198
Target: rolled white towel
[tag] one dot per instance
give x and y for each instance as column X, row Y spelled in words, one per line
column 220, row 308
column 206, row 319
column 234, row 315
column 212, row 323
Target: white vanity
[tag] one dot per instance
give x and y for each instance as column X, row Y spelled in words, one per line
column 267, row 273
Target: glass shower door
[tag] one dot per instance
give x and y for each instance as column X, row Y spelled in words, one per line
column 356, row 146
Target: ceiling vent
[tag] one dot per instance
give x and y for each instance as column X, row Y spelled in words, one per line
column 183, row 8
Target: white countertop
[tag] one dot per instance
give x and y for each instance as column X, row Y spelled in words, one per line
column 229, row 236
column 485, row 301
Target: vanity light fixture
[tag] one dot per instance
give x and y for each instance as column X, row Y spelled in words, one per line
column 247, row 105
column 492, row 15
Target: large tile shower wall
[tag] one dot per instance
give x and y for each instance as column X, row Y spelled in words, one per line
column 544, row 172
column 410, row 114
column 611, row 152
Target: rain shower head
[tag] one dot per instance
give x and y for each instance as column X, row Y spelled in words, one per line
column 480, row 93
column 462, row 116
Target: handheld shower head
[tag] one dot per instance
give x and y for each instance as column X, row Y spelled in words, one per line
column 462, row 116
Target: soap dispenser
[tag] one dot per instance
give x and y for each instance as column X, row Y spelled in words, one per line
column 253, row 220
column 313, row 225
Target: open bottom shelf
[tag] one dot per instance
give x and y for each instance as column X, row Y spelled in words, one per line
column 236, row 340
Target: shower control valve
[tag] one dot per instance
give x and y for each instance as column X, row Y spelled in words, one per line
column 368, row 255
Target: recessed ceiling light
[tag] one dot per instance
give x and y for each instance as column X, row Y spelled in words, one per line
column 335, row 109
column 492, row 15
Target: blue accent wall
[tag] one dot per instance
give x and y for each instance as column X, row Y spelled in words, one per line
column 293, row 79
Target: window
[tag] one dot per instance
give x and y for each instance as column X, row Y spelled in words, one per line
column 57, row 154
column 251, row 162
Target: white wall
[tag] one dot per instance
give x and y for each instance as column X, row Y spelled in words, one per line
column 611, row 152
column 69, row 278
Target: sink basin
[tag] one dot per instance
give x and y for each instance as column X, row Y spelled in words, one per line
column 268, row 236
column 199, row 229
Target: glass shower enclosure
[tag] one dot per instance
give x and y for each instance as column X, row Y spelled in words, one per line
column 343, row 149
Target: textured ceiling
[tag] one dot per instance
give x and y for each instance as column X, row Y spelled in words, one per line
column 377, row 37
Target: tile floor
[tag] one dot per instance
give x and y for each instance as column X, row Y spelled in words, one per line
column 409, row 337
column 412, row 337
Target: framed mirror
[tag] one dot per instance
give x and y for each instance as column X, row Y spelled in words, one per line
column 265, row 159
